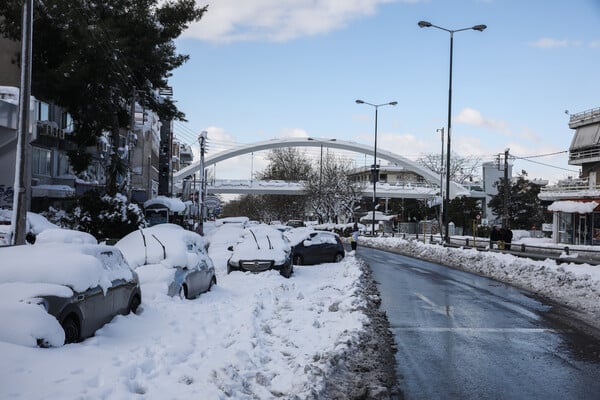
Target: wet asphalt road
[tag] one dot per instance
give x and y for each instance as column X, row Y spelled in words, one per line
column 461, row 336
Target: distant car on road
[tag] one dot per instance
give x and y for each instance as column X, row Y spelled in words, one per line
column 315, row 247
column 53, row 294
column 171, row 256
column 261, row 248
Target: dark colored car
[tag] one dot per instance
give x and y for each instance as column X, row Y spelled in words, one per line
column 315, row 247
column 83, row 286
column 261, row 248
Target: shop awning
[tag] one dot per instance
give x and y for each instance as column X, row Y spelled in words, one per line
column 569, row 206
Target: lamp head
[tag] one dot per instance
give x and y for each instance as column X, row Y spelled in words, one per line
column 424, row 24
column 393, row 103
column 360, row 102
column 479, row 28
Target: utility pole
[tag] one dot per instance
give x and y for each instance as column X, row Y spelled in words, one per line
column 202, row 139
column 506, row 190
column 22, row 184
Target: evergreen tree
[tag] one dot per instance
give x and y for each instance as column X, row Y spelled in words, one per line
column 524, row 207
column 90, row 57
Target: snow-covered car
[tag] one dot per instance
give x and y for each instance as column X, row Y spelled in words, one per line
column 315, row 247
column 261, row 248
column 36, row 224
column 170, row 257
column 52, row 294
column 58, row 235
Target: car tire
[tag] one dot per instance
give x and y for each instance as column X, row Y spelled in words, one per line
column 287, row 270
column 297, row 260
column 183, row 292
column 72, row 329
column 134, row 304
column 338, row 257
column 213, row 281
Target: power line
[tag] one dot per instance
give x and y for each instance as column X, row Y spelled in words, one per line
column 545, row 155
column 544, row 164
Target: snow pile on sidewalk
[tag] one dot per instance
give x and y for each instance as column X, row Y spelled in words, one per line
column 576, row 286
column 253, row 336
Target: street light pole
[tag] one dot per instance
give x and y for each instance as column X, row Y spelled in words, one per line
column 441, row 130
column 480, row 28
column 374, row 167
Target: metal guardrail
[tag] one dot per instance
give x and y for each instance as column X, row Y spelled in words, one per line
column 560, row 254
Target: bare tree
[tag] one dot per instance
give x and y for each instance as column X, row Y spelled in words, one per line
column 288, row 164
column 462, row 169
column 330, row 193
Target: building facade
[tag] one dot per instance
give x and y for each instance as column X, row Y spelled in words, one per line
column 576, row 201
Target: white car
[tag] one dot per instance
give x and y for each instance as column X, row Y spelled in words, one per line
column 170, row 257
column 261, row 248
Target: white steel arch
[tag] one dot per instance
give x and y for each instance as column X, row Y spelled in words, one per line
column 455, row 188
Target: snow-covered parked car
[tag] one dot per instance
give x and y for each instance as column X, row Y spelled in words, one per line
column 315, row 247
column 171, row 259
column 51, row 294
column 58, row 235
column 36, row 224
column 261, row 248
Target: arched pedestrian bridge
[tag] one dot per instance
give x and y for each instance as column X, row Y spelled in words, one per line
column 429, row 189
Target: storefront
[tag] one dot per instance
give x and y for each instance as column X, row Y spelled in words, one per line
column 576, row 222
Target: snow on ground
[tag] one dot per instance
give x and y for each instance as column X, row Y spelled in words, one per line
column 576, row 286
column 258, row 335
column 252, row 336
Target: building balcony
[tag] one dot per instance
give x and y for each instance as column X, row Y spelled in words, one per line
column 584, row 155
column 584, row 118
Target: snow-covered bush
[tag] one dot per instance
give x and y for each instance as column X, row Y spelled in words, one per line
column 100, row 215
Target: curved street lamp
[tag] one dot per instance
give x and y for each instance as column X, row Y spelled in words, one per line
column 480, row 28
column 374, row 167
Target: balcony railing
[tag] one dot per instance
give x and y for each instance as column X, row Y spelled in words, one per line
column 584, row 116
column 583, row 155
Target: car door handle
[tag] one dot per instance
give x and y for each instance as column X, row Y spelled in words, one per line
column 80, row 297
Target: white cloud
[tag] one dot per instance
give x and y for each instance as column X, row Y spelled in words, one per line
column 470, row 116
column 550, row 43
column 594, row 44
column 278, row 20
column 293, row 133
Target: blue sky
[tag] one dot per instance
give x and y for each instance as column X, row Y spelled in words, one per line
column 267, row 69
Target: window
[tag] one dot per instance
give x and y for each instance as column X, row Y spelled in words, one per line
column 41, row 161
column 67, row 122
column 63, row 165
column 43, row 111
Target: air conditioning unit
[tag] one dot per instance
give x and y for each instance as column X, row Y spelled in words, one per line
column 53, row 131
column 61, row 134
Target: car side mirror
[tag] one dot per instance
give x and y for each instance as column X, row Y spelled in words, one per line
column 230, row 248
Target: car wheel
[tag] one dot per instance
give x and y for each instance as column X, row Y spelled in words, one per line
column 213, row 281
column 134, row 304
column 72, row 330
column 183, row 292
column 338, row 257
column 287, row 270
column 297, row 260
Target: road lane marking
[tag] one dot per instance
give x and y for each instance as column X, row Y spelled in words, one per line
column 440, row 309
